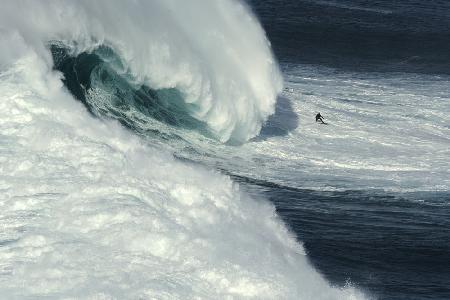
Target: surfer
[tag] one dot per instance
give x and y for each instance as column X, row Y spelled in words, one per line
column 319, row 118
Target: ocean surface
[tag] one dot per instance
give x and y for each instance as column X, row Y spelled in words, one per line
column 379, row 69
column 168, row 149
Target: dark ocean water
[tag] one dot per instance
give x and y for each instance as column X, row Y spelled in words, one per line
column 392, row 245
column 407, row 35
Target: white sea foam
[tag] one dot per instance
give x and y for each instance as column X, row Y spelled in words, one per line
column 214, row 52
column 87, row 210
column 386, row 131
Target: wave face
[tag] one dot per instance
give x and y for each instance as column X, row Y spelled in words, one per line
column 219, row 61
column 92, row 210
column 99, row 79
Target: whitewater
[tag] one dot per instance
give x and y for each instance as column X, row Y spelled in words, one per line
column 91, row 210
column 228, row 79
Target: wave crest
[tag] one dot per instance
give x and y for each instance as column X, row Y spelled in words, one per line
column 214, row 52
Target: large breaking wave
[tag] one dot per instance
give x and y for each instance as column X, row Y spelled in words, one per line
column 90, row 210
column 220, row 61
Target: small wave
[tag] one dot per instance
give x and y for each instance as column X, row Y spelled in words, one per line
column 354, row 7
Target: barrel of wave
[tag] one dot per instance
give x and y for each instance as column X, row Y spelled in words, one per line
column 215, row 52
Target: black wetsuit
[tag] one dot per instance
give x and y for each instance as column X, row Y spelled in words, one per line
column 319, row 118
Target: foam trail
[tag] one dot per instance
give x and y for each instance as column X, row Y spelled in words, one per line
column 214, row 52
column 90, row 211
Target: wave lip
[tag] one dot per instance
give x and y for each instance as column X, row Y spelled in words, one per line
column 214, row 52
